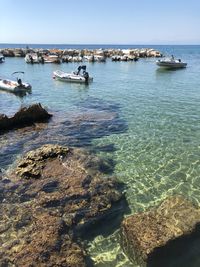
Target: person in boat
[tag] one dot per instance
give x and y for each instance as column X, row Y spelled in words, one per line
column 31, row 59
column 19, row 81
column 79, row 69
column 42, row 59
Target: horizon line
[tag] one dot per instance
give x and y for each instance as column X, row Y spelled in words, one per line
column 96, row 44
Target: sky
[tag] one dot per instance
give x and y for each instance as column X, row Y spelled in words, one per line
column 100, row 21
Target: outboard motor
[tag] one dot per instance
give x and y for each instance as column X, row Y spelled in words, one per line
column 86, row 76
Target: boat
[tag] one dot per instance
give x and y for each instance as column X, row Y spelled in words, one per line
column 2, row 58
column 99, row 58
column 50, row 59
column 89, row 58
column 171, row 63
column 35, row 58
column 75, row 76
column 15, row 87
column 32, row 58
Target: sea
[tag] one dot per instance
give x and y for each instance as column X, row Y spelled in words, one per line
column 154, row 145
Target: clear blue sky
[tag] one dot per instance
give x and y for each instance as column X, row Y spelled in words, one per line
column 100, row 21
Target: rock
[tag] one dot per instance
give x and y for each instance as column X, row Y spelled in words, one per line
column 80, row 191
column 8, row 52
column 76, row 129
column 40, row 242
column 45, row 216
column 144, row 233
column 25, row 116
column 32, row 164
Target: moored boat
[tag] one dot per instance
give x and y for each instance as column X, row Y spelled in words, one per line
column 32, row 58
column 171, row 63
column 75, row 76
column 51, row 59
column 2, row 58
column 35, row 58
column 15, row 86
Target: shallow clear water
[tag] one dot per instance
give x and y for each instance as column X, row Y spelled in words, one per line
column 159, row 153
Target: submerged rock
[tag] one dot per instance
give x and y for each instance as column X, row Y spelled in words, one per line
column 44, row 216
column 32, row 164
column 76, row 129
column 146, row 235
column 25, row 116
column 39, row 240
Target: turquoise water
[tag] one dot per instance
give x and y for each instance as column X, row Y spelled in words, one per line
column 157, row 155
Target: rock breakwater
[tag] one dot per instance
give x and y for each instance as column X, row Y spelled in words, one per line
column 79, row 55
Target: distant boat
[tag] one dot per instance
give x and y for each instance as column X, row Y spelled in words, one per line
column 2, row 58
column 51, row 59
column 15, row 86
column 89, row 58
column 171, row 63
column 75, row 76
column 35, row 58
column 32, row 58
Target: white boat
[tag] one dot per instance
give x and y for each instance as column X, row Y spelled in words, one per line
column 15, row 86
column 32, row 58
column 99, row 58
column 171, row 63
column 35, row 58
column 2, row 58
column 75, row 76
column 50, row 59
column 89, row 58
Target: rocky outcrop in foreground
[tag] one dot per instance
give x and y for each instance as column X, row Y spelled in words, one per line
column 25, row 116
column 163, row 236
column 54, row 195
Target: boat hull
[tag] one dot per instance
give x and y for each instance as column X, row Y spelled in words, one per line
column 69, row 80
column 69, row 77
column 171, row 65
column 2, row 59
column 14, row 87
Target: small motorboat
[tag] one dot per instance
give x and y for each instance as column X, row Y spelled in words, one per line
column 36, row 58
column 2, row 58
column 171, row 63
column 15, row 87
column 75, row 76
column 50, row 59
column 32, row 58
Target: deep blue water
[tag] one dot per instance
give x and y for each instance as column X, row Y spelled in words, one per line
column 157, row 150
column 97, row 46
